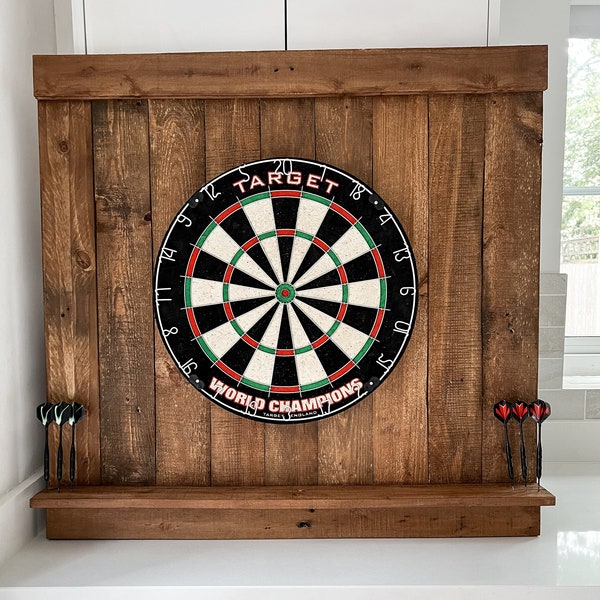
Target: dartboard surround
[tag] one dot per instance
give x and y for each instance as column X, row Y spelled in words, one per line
column 285, row 290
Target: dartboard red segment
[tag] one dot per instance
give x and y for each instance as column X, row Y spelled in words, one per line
column 285, row 290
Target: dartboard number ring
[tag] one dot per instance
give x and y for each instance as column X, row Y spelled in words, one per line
column 285, row 290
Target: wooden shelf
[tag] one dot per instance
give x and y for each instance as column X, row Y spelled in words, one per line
column 107, row 512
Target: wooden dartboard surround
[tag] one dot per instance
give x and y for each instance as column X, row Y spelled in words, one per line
column 449, row 138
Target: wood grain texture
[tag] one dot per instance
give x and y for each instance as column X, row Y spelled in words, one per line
column 287, row 128
column 511, row 234
column 176, row 130
column 456, row 153
column 179, row 523
column 292, row 73
column 69, row 261
column 237, row 444
column 344, row 139
column 279, row 496
column 125, row 320
column 400, row 172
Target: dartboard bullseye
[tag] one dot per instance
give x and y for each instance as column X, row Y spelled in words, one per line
column 285, row 290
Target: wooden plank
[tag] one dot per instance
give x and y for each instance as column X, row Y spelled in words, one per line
column 237, row 444
column 69, row 258
column 400, row 177
column 177, row 171
column 283, row 497
column 125, row 321
column 288, row 129
column 456, row 155
column 292, row 73
column 131, row 523
column 344, row 137
column 511, row 238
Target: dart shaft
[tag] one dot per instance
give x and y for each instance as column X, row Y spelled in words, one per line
column 59, row 457
column 46, row 459
column 523, row 455
column 538, row 462
column 509, row 461
column 72, row 456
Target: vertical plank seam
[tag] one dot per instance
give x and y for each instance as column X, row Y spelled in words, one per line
column 93, row 153
column 428, row 273
column 210, row 404
column 152, row 249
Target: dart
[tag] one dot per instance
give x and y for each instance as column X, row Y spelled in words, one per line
column 503, row 412
column 77, row 413
column 539, row 412
column 62, row 412
column 45, row 414
column 520, row 411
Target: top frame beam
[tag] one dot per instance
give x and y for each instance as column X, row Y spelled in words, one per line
column 304, row 73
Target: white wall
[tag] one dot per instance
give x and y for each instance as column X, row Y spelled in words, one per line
column 26, row 27
column 545, row 22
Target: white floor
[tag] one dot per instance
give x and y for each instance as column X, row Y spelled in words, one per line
column 564, row 562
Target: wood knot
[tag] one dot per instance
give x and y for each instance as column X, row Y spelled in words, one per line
column 83, row 260
column 63, row 146
column 303, row 524
column 148, row 216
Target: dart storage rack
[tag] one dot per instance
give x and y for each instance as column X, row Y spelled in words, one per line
column 450, row 138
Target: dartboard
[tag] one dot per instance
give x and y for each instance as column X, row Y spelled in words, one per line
column 285, row 290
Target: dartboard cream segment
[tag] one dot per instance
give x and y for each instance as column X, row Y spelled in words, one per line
column 349, row 340
column 221, row 339
column 365, row 293
column 332, row 293
column 221, row 245
column 310, row 216
column 261, row 217
column 308, row 365
column 271, row 248
column 350, row 246
column 249, row 319
column 299, row 249
column 322, row 320
column 205, row 292
column 322, row 266
column 260, row 367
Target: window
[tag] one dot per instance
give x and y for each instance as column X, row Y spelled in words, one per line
column 580, row 240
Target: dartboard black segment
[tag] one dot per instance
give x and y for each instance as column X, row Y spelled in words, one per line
column 287, row 288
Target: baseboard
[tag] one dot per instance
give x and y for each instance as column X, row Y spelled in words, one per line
column 18, row 523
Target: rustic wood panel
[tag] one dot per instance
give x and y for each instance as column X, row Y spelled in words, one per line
column 400, row 177
column 287, row 128
column 178, row 523
column 292, row 73
column 125, row 319
column 237, row 444
column 511, row 269
column 69, row 260
column 278, row 497
column 177, row 171
column 344, row 139
column 456, row 151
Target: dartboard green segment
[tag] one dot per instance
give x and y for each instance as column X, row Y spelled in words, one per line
column 286, row 291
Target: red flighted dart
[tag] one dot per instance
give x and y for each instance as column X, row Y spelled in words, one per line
column 539, row 411
column 503, row 412
column 520, row 412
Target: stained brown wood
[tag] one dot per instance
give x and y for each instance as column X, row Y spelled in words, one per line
column 511, row 268
column 283, row 497
column 290, row 512
column 456, row 151
column 344, row 139
column 237, row 444
column 287, row 128
column 292, row 73
column 125, row 321
column 176, row 130
column 400, row 172
column 459, row 163
column 69, row 259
